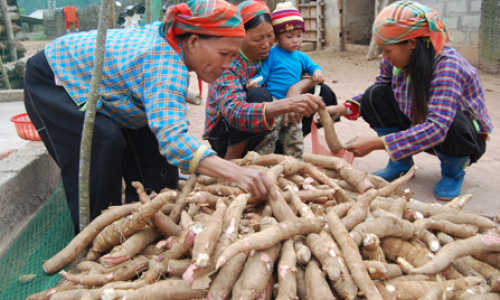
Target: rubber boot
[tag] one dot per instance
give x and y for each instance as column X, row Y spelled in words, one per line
column 452, row 170
column 394, row 169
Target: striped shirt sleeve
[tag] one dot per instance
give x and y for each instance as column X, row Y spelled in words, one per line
column 241, row 115
column 227, row 99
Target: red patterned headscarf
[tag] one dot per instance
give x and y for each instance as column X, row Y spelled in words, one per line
column 404, row 20
column 250, row 9
column 207, row 17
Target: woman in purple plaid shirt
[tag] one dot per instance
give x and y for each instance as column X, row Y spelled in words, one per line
column 427, row 97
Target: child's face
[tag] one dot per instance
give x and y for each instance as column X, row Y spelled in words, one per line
column 290, row 40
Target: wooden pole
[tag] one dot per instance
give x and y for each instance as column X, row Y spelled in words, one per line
column 90, row 111
column 5, row 76
column 379, row 5
column 112, row 14
column 343, row 24
column 8, row 29
column 318, row 25
column 149, row 11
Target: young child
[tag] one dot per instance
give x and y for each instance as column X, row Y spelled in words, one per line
column 280, row 70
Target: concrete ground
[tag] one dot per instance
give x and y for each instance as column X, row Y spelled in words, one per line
column 8, row 136
column 27, row 174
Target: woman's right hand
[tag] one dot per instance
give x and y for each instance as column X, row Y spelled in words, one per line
column 253, row 181
column 301, row 106
column 305, row 104
column 363, row 145
column 256, row 182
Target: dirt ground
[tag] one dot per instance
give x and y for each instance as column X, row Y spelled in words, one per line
column 33, row 47
column 348, row 74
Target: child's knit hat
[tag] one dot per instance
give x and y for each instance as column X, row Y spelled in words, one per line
column 286, row 18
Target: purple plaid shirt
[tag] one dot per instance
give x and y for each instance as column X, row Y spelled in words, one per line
column 455, row 86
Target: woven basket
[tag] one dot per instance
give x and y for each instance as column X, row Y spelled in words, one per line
column 25, row 129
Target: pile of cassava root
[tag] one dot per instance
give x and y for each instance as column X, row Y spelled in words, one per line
column 333, row 233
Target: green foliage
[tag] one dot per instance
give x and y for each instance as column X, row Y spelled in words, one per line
column 39, row 35
column 30, row 6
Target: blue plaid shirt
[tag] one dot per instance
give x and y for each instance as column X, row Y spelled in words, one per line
column 144, row 82
column 455, row 86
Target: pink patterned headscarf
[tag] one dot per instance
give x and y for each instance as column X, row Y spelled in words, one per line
column 404, row 20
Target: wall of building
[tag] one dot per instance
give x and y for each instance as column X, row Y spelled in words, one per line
column 360, row 15
column 464, row 18
column 331, row 24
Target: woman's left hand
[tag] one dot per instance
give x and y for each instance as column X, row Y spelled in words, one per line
column 362, row 145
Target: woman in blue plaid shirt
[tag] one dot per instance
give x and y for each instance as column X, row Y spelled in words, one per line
column 427, row 97
column 140, row 130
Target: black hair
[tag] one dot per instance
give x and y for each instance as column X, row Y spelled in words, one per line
column 421, row 69
column 187, row 35
column 254, row 22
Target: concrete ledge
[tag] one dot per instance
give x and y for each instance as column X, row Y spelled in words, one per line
column 11, row 95
column 27, row 178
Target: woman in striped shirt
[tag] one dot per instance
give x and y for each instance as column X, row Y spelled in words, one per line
column 140, row 130
column 427, row 97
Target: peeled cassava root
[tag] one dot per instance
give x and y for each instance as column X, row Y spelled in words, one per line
column 331, row 137
column 366, row 240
